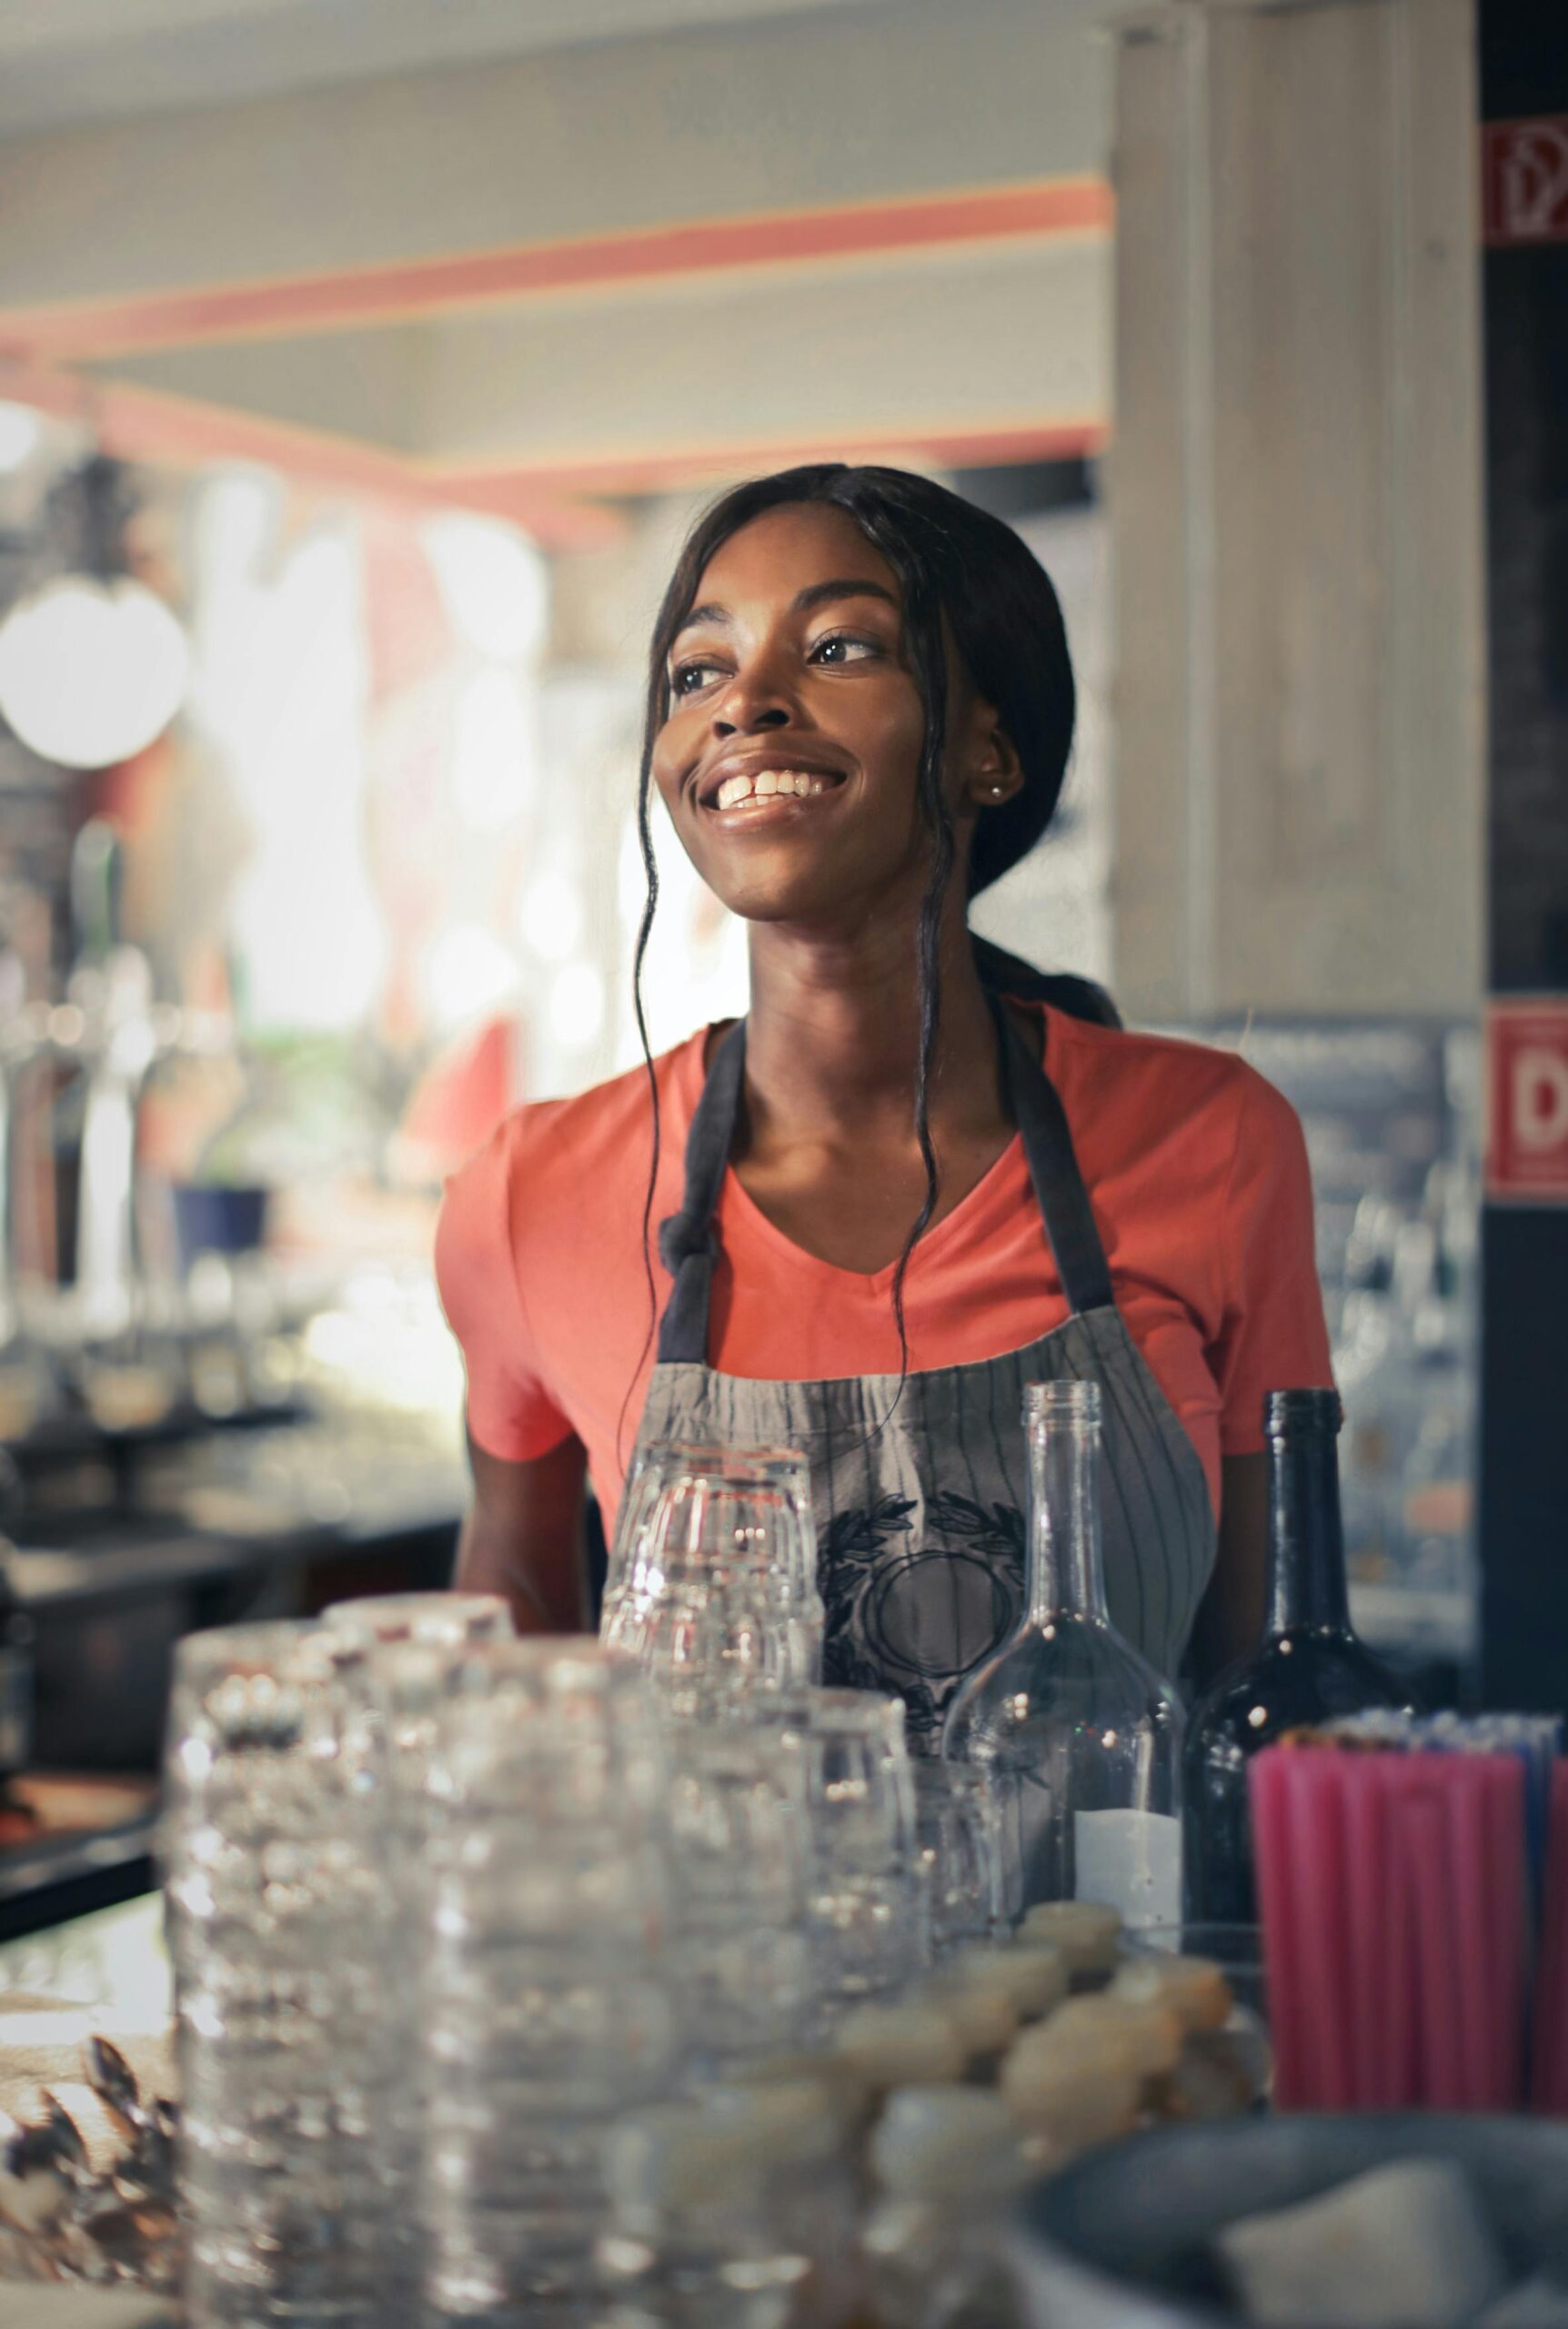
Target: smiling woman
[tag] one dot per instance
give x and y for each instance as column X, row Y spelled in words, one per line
column 919, row 1174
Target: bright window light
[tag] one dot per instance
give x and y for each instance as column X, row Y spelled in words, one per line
column 576, row 1004
column 91, row 673
column 493, row 751
column 494, row 584
column 21, row 433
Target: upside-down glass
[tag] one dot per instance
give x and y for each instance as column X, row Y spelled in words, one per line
column 740, row 1843
column 549, row 2004
column 863, row 1901
column 960, row 1829
column 280, row 1932
column 709, row 1639
column 689, row 1507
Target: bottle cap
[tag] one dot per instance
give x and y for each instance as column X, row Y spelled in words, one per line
column 1067, row 1402
column 1312, row 1410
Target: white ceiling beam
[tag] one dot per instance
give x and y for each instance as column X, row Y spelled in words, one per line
column 976, row 341
column 786, row 113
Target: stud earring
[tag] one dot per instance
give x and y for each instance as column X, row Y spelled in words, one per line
column 998, row 792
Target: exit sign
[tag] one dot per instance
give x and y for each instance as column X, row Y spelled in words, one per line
column 1527, row 1100
column 1525, row 166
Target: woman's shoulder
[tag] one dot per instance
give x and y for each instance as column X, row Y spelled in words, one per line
column 577, row 1138
column 1166, row 1079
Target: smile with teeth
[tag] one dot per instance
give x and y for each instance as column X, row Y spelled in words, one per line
column 801, row 783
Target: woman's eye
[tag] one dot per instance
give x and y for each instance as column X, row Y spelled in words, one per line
column 688, row 677
column 842, row 646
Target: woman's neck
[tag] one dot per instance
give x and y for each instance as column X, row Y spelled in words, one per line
column 833, row 1034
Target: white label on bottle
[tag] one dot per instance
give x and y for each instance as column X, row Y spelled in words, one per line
column 1129, row 1860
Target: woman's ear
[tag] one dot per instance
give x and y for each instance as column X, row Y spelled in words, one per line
column 992, row 772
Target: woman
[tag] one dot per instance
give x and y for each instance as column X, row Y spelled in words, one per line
column 919, row 1174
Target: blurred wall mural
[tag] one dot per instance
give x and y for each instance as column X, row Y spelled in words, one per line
column 395, row 825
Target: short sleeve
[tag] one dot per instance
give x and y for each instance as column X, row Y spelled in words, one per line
column 510, row 1411
column 1272, row 1336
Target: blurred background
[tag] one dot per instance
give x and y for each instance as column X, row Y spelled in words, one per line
column 361, row 364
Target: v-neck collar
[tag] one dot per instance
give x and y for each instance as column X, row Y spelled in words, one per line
column 952, row 1226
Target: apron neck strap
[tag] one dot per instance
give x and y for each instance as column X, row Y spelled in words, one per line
column 688, row 1242
column 1062, row 1198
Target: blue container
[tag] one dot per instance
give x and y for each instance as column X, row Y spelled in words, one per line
column 214, row 1219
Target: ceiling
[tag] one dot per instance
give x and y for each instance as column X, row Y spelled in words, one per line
column 533, row 256
column 79, row 61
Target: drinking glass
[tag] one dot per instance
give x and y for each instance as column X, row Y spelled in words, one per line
column 282, row 1938
column 442, row 1620
column 549, row 2000
column 689, row 1508
column 960, row 1831
column 863, row 1901
column 740, row 1843
column 709, row 1639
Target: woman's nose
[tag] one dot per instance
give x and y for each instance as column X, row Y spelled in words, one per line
column 750, row 705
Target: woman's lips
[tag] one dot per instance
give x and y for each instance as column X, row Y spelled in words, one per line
column 744, row 797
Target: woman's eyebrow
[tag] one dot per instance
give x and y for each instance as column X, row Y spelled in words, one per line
column 815, row 594
column 818, row 594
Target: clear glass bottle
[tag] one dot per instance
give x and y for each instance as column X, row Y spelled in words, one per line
column 1067, row 1710
column 1309, row 1667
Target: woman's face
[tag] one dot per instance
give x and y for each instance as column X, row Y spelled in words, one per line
column 789, row 758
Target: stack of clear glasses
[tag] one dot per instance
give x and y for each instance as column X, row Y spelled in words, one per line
column 713, row 1592
column 281, row 1933
column 713, row 1576
column 550, row 2006
column 399, row 1653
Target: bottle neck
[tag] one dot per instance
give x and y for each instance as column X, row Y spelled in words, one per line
column 1306, row 1539
column 1066, row 1563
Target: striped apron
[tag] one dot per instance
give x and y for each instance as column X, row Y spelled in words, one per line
column 920, row 1494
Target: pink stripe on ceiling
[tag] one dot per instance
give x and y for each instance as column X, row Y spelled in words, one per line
column 561, row 501
column 1039, row 210
column 662, row 469
column 179, row 432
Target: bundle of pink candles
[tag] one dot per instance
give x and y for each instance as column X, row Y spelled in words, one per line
column 1549, row 2051
column 1397, row 1930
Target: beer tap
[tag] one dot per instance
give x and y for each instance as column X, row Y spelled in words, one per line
column 27, row 1385
column 121, row 1035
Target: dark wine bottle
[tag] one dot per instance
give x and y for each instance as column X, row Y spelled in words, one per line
column 1309, row 1667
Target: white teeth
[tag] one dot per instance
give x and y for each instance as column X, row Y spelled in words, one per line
column 798, row 784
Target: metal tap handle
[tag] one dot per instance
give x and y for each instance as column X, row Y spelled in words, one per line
column 98, row 889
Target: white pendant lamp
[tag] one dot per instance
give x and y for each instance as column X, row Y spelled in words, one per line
column 93, row 665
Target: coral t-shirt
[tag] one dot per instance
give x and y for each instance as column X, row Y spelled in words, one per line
column 1196, row 1171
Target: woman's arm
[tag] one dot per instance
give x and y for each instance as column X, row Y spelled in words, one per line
column 1231, row 1614
column 522, row 1536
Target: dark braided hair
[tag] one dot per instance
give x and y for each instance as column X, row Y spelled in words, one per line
column 955, row 562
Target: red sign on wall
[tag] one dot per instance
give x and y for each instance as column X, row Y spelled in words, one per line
column 1525, row 166
column 1527, row 1081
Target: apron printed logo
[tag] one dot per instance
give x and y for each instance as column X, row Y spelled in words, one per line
column 917, row 1621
